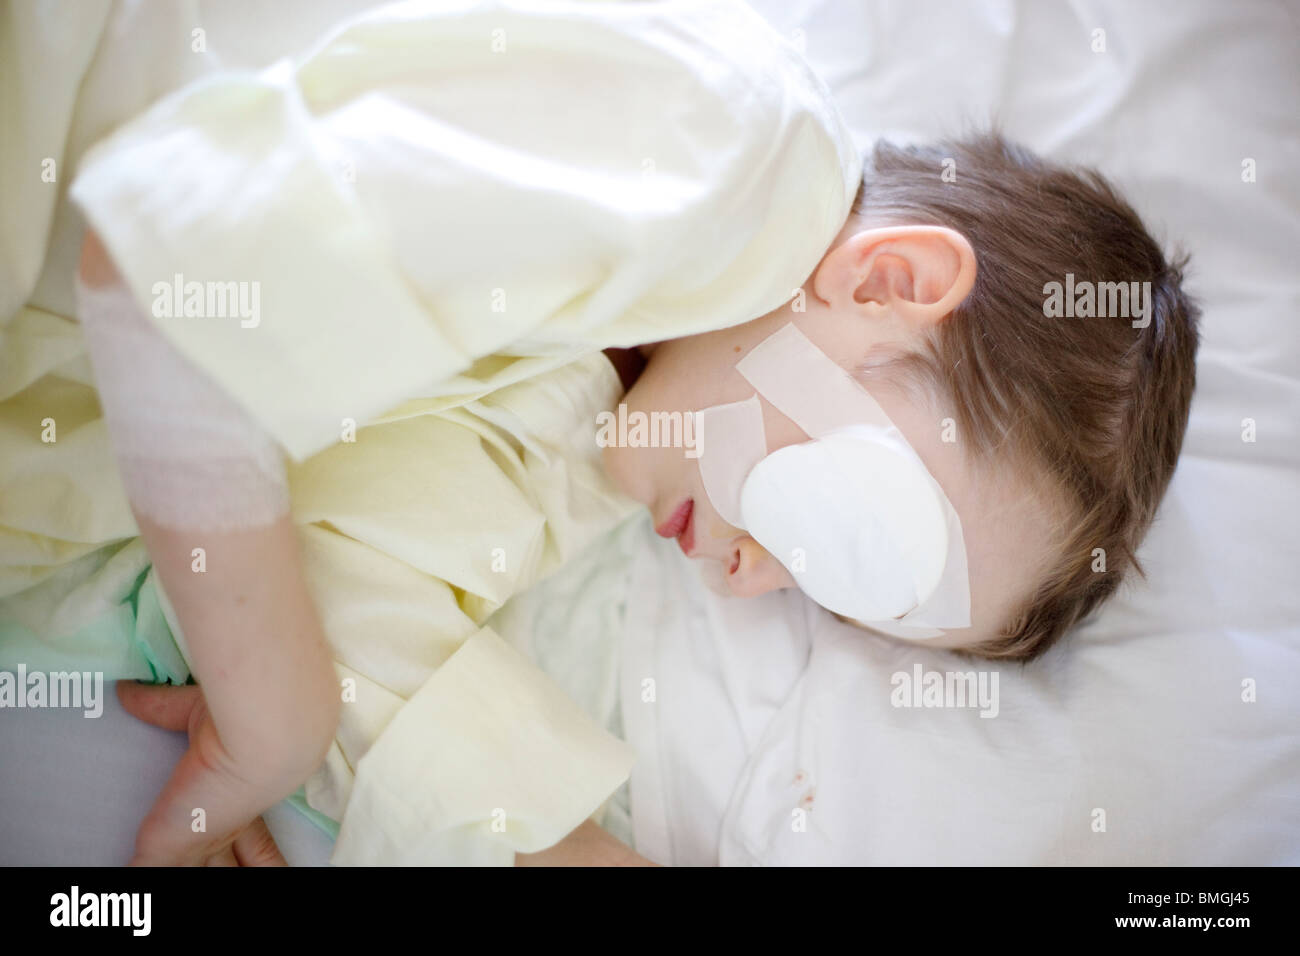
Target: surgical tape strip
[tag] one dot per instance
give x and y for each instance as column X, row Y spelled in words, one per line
column 190, row 458
column 854, row 514
column 736, row 442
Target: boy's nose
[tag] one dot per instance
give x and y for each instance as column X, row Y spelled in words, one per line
column 753, row 570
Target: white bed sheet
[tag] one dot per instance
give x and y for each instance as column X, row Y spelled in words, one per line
column 73, row 789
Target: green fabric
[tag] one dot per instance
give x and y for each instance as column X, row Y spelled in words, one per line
column 298, row 800
column 54, row 626
column 154, row 637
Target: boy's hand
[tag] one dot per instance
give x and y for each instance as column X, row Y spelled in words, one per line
column 206, row 779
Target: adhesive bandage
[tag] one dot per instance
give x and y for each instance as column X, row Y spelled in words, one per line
column 741, row 444
column 190, row 458
column 853, row 514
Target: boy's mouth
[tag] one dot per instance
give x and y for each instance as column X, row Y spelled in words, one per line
column 679, row 526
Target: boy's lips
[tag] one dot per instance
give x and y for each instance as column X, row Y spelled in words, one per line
column 679, row 526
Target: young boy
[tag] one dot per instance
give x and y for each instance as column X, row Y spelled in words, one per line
column 1052, row 437
column 932, row 294
column 1071, row 427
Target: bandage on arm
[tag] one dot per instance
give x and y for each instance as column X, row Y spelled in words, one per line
column 199, row 473
column 190, row 458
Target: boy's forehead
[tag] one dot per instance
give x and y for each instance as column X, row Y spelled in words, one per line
column 1006, row 524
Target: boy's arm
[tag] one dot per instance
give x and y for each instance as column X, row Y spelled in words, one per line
column 254, row 640
column 270, row 699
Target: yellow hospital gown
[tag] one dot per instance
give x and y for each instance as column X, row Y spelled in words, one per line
column 447, row 210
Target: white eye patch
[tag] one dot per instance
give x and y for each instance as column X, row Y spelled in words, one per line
column 854, row 514
column 888, row 543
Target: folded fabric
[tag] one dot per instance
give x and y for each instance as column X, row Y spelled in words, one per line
column 515, row 180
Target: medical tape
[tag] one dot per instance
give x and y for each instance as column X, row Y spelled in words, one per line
column 190, row 458
column 736, row 443
column 854, row 514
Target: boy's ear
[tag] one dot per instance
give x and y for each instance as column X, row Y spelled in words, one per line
column 920, row 273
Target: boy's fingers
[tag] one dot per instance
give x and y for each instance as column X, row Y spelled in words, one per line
column 256, row 847
column 225, row 857
column 159, row 704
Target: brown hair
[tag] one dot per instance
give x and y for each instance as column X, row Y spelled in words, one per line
column 1095, row 406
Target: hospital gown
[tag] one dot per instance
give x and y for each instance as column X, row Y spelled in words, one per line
column 447, row 210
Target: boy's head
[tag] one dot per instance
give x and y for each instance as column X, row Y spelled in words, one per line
column 984, row 311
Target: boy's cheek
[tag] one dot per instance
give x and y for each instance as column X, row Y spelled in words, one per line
column 610, row 460
column 631, row 475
